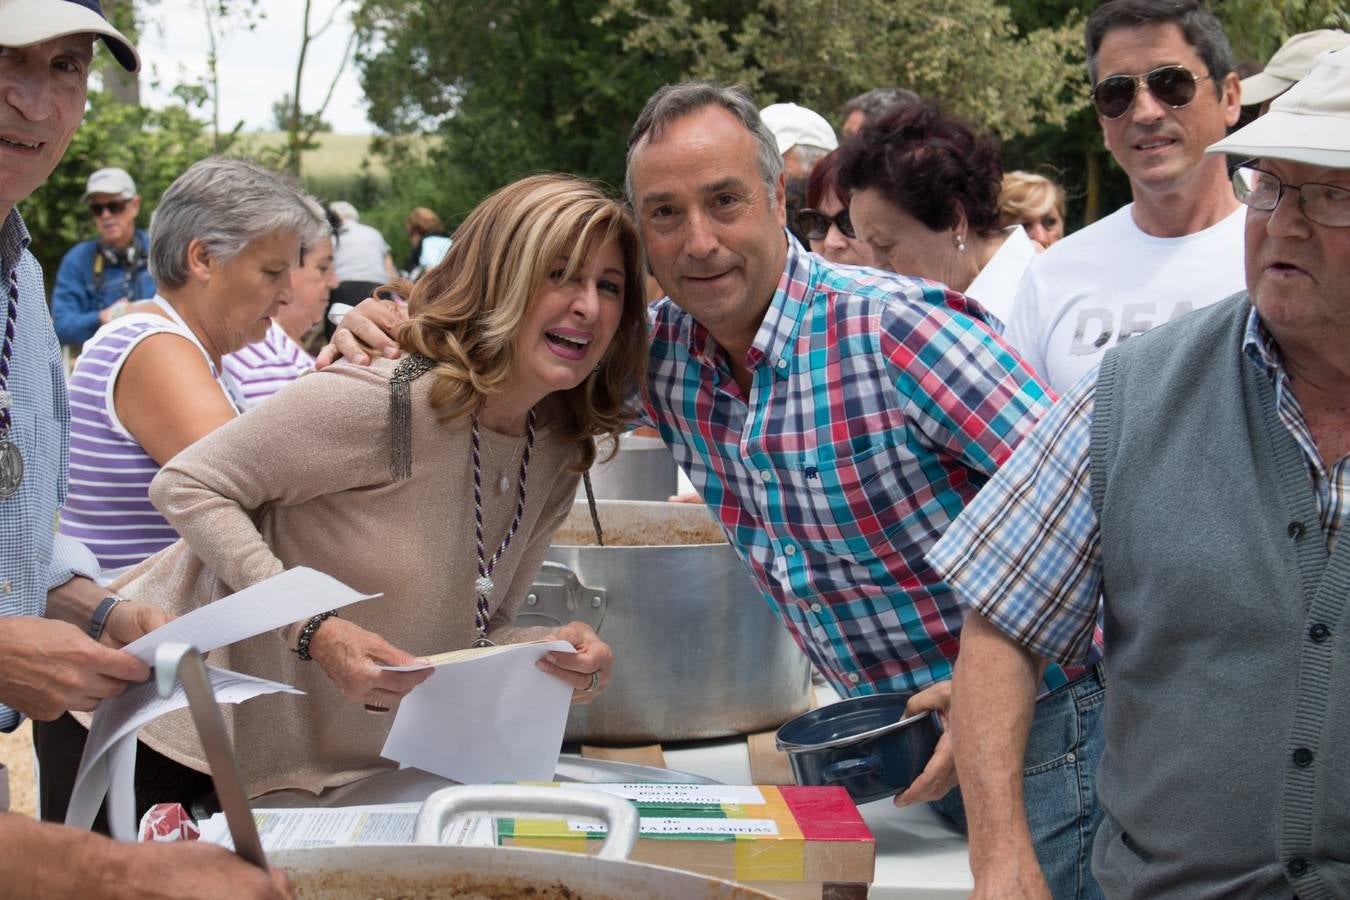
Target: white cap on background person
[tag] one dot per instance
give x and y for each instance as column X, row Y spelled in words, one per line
column 109, row 181
column 27, row 22
column 792, row 125
column 1290, row 63
column 1309, row 123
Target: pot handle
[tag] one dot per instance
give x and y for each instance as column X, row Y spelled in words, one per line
column 447, row 804
column 557, row 596
column 848, row 768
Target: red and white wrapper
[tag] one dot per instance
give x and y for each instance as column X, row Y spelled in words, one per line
column 168, row 822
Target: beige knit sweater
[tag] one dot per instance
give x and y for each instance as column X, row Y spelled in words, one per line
column 304, row 480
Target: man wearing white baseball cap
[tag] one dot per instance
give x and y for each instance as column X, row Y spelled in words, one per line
column 58, row 630
column 803, row 137
column 802, row 134
column 1192, row 497
column 1289, row 64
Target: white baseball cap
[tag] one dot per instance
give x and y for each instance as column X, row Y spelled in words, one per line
column 792, row 125
column 1290, row 63
column 1309, row 123
column 27, row 22
column 109, row 181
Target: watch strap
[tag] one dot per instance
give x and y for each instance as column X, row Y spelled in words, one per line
column 101, row 614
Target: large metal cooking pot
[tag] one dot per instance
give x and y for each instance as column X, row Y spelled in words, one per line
column 413, row 873
column 698, row 653
column 643, row 469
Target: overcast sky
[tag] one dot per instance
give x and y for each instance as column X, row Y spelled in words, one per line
column 256, row 67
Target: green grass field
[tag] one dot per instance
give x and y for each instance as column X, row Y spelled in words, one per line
column 338, row 155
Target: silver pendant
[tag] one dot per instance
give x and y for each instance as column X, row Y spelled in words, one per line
column 482, row 642
column 11, row 467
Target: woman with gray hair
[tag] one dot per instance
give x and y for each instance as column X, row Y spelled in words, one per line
column 223, row 242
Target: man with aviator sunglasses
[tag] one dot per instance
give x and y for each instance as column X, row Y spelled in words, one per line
column 1164, row 90
column 100, row 278
column 1191, row 495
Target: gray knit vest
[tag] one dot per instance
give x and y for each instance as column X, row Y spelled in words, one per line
column 1227, row 764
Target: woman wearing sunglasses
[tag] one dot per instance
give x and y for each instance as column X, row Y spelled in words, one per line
column 824, row 219
column 925, row 193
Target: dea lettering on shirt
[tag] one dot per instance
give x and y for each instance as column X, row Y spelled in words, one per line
column 1097, row 325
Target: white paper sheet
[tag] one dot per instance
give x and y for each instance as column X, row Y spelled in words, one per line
column 108, row 765
column 390, row 823
column 484, row 716
column 292, row 596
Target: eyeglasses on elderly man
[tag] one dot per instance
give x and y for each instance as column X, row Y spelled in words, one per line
column 1324, row 204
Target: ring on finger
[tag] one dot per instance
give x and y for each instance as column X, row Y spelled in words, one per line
column 594, row 683
column 376, row 708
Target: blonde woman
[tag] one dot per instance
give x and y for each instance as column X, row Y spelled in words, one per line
column 1034, row 202
column 437, row 478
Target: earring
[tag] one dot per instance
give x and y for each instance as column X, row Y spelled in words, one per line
column 960, row 242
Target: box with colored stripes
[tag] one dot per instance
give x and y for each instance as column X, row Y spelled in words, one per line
column 792, row 841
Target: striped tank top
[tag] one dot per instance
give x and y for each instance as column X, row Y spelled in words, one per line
column 266, row 367
column 108, row 507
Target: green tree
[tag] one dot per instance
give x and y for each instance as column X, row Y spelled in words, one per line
column 284, row 108
column 1257, row 28
column 155, row 146
column 970, row 54
column 300, row 126
column 510, row 86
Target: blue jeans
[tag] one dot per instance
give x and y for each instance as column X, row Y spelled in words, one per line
column 1059, row 784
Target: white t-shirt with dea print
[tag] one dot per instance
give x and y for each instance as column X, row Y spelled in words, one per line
column 1101, row 285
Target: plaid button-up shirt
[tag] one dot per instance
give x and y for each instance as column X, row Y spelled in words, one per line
column 1027, row 553
column 879, row 405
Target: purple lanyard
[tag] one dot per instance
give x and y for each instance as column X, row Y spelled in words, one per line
column 7, row 350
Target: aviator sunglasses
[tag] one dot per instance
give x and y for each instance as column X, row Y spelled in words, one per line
column 1173, row 85
column 815, row 224
column 113, row 206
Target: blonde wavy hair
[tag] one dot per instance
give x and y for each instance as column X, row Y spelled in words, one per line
column 1026, row 195
column 467, row 310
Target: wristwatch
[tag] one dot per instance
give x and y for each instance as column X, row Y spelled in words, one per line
column 101, row 613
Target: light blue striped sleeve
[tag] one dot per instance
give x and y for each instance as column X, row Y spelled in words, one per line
column 1026, row 552
column 69, row 559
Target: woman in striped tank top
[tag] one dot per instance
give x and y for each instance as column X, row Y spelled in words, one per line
column 223, row 242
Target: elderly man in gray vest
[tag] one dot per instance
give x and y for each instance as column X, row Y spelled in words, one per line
column 1189, row 497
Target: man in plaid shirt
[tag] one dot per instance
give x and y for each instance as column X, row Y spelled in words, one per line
column 835, row 420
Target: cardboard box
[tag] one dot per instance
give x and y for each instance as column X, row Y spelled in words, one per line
column 786, row 840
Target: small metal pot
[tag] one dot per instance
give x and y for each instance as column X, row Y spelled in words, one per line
column 863, row 744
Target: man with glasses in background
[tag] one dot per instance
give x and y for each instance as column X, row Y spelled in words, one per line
column 99, row 279
column 1164, row 90
column 1191, row 496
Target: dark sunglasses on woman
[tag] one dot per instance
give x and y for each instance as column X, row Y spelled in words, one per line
column 1173, row 85
column 815, row 224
